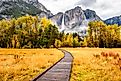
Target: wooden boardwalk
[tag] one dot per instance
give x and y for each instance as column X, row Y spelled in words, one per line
column 60, row 71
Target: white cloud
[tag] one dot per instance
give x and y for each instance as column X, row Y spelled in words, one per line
column 58, row 5
column 104, row 8
column 86, row 2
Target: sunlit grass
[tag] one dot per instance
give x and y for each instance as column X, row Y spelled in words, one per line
column 25, row 64
column 86, row 67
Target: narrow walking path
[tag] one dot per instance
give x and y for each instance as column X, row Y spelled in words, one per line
column 60, row 71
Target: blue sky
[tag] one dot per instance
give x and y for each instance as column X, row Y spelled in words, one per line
column 104, row 8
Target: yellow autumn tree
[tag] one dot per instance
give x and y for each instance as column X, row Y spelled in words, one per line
column 84, row 43
column 57, row 43
column 76, row 42
column 45, row 23
column 67, row 40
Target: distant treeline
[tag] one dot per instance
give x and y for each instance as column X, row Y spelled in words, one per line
column 103, row 36
column 32, row 32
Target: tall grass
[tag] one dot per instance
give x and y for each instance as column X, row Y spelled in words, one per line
column 90, row 64
column 24, row 64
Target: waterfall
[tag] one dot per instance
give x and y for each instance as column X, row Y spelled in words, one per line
column 63, row 23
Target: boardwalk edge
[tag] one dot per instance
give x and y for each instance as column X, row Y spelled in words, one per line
column 71, row 63
column 47, row 69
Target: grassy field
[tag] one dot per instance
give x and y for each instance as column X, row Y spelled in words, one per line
column 24, row 64
column 94, row 64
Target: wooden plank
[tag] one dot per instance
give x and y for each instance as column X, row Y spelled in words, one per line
column 59, row 71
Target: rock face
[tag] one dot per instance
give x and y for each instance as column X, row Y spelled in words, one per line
column 91, row 15
column 114, row 20
column 75, row 20
column 17, row 8
column 27, row 1
column 57, row 19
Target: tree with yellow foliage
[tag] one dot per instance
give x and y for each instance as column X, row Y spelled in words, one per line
column 57, row 43
column 102, row 35
column 45, row 23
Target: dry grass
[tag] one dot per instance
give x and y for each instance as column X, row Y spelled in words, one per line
column 90, row 65
column 24, row 64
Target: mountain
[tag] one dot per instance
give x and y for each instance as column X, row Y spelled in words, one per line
column 75, row 20
column 91, row 15
column 17, row 8
column 113, row 20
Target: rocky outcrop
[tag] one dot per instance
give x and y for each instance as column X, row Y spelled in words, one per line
column 57, row 19
column 91, row 15
column 75, row 20
column 113, row 20
column 17, row 8
column 74, row 17
column 28, row 1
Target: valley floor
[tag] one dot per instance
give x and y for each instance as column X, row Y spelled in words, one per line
column 90, row 64
column 95, row 64
column 25, row 64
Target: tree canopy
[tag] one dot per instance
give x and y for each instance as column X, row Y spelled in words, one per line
column 32, row 32
column 103, row 36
